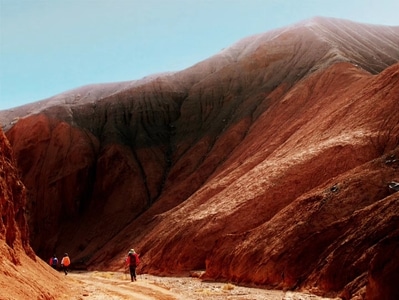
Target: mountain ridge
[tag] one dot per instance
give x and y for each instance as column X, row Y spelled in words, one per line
column 316, row 25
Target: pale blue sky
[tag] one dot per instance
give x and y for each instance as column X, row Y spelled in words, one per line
column 51, row 46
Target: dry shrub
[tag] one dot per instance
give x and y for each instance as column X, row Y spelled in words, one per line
column 228, row 287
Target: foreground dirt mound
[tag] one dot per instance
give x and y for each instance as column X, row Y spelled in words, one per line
column 265, row 164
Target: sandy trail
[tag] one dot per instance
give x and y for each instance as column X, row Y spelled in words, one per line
column 117, row 286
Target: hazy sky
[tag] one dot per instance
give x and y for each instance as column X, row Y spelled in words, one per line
column 51, row 46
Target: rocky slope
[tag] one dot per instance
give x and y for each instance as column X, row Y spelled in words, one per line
column 267, row 164
column 22, row 274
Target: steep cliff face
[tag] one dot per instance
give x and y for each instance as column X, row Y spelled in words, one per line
column 265, row 164
column 14, row 233
column 22, row 274
column 57, row 161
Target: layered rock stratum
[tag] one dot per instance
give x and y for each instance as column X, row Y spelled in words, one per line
column 267, row 164
column 22, row 274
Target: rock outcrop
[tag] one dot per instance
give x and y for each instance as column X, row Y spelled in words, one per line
column 22, row 274
column 267, row 164
column 14, row 230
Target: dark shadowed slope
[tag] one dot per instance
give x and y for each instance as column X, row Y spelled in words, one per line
column 22, row 274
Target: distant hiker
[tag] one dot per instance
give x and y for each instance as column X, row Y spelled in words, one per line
column 54, row 262
column 65, row 262
column 132, row 261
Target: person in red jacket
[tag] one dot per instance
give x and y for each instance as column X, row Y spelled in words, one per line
column 132, row 261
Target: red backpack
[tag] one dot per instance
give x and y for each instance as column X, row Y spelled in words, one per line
column 134, row 260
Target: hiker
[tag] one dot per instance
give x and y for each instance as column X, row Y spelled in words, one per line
column 54, row 262
column 65, row 262
column 132, row 261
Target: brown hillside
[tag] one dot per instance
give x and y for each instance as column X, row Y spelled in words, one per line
column 277, row 218
column 267, row 164
column 22, row 274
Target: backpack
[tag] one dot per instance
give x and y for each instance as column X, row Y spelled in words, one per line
column 134, row 260
column 54, row 261
column 65, row 261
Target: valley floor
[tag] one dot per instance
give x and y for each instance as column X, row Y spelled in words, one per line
column 117, row 286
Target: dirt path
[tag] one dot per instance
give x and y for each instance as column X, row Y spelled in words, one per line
column 117, row 286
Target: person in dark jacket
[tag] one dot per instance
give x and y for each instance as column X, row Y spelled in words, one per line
column 132, row 261
column 54, row 262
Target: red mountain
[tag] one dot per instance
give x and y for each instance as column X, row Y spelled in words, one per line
column 267, row 164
